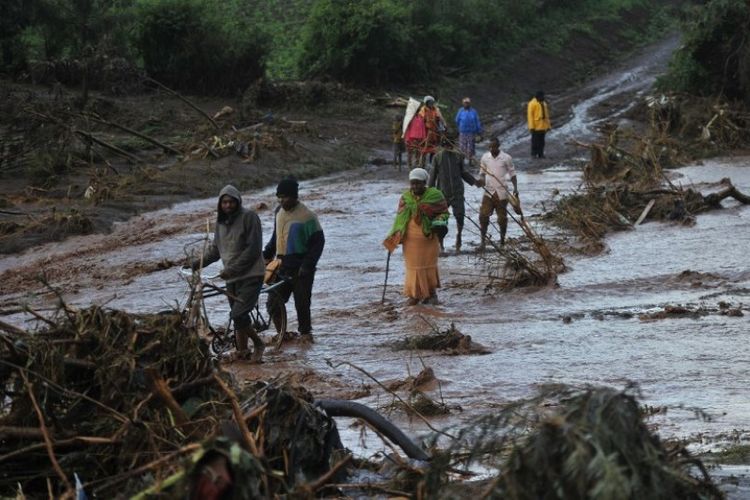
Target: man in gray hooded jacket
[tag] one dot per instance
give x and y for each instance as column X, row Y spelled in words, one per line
column 238, row 242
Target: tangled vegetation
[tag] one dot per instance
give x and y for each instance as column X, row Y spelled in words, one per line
column 134, row 404
column 625, row 182
column 563, row 443
column 124, row 400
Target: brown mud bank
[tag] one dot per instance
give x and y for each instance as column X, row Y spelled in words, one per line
column 68, row 171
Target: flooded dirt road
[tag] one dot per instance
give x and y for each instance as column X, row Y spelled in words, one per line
column 681, row 363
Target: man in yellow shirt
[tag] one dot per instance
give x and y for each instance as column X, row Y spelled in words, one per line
column 538, row 118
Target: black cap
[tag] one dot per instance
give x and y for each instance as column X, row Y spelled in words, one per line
column 288, row 187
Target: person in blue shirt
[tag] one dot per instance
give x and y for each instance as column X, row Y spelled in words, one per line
column 469, row 127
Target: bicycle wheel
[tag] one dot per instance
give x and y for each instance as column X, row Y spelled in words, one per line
column 222, row 340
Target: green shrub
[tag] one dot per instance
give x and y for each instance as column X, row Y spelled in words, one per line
column 359, row 42
column 199, row 46
column 715, row 57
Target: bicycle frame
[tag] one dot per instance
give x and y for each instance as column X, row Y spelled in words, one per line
column 223, row 338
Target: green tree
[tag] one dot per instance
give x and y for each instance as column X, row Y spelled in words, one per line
column 715, row 57
column 360, row 42
column 199, row 46
column 15, row 17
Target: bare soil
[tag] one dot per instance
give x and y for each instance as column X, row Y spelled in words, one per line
column 302, row 133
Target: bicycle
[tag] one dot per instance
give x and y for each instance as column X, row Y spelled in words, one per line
column 222, row 337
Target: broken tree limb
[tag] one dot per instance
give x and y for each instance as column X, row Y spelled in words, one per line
column 104, row 144
column 645, row 212
column 161, row 390
column 84, row 136
column 7, row 327
column 45, row 435
column 714, row 199
column 322, row 480
column 247, row 437
column 185, row 100
column 165, row 147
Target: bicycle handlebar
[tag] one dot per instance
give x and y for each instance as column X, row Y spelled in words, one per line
column 207, row 280
column 188, row 273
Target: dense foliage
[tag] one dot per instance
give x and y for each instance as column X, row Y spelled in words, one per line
column 197, row 45
column 403, row 41
column 217, row 46
column 715, row 57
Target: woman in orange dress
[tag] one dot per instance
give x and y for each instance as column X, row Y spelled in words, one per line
column 421, row 221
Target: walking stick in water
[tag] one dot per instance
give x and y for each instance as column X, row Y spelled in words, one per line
column 385, row 283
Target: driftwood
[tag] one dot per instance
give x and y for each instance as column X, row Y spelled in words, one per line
column 87, row 138
column 645, row 212
column 90, row 137
column 714, row 199
column 165, row 147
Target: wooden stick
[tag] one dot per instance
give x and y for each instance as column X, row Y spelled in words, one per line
column 372, row 486
column 645, row 212
column 183, row 99
column 190, row 386
column 143, row 136
column 247, row 436
column 63, row 443
column 107, row 145
column 20, row 432
column 45, row 435
column 161, row 390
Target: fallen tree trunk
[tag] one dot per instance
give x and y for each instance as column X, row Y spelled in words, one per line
column 165, row 147
column 714, row 199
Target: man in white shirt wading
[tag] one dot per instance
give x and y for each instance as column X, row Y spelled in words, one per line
column 495, row 168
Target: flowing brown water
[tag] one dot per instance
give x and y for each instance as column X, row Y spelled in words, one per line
column 680, row 363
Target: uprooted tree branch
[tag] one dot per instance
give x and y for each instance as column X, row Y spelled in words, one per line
column 625, row 183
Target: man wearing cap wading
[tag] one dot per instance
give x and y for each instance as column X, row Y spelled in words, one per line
column 238, row 242
column 298, row 242
column 495, row 167
column 538, row 120
column 469, row 127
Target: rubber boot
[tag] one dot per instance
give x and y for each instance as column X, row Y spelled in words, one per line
column 241, row 342
column 258, row 345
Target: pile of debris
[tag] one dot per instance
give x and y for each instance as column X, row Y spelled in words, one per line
column 625, row 186
column 566, row 443
column 120, row 400
column 269, row 134
column 450, row 340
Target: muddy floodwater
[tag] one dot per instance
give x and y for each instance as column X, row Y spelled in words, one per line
column 682, row 363
column 696, row 363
